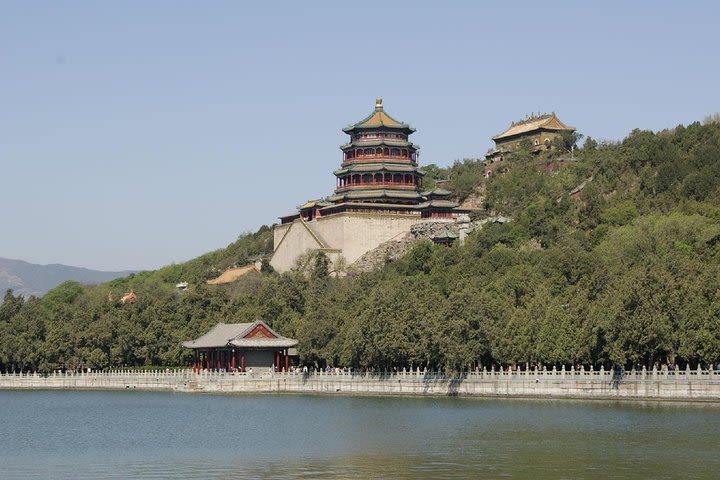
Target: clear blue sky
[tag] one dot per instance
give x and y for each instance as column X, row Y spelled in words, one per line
column 136, row 134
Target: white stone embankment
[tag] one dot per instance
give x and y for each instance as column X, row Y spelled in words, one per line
column 685, row 385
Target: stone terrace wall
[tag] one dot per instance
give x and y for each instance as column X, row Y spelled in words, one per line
column 396, row 247
column 700, row 385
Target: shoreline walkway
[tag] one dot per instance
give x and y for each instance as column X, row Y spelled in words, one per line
column 680, row 385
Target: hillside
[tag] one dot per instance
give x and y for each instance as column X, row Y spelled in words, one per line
column 624, row 271
column 30, row 279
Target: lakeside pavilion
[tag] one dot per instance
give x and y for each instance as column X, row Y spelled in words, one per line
column 241, row 346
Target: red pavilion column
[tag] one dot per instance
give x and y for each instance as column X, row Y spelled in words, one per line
column 233, row 359
column 287, row 361
column 242, row 361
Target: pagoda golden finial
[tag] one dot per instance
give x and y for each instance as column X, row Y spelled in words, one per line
column 378, row 103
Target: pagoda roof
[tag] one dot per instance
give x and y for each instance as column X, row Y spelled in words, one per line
column 378, row 119
column 380, row 193
column 438, row 204
column 544, row 122
column 375, row 167
column 437, row 192
column 313, row 203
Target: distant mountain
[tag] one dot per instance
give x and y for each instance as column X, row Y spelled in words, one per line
column 31, row 279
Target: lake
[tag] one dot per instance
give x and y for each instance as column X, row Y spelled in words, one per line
column 70, row 434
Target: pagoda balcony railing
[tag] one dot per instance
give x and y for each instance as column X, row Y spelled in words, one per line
column 379, row 155
column 395, row 142
column 378, row 186
column 376, row 158
column 378, row 136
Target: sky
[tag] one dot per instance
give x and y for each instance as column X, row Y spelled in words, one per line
column 137, row 134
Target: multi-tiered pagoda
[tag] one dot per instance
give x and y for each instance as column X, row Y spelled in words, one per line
column 379, row 163
column 377, row 197
column 379, row 172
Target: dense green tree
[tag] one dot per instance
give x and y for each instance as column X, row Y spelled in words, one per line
column 626, row 271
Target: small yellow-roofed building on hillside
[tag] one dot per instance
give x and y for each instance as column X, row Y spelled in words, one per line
column 541, row 131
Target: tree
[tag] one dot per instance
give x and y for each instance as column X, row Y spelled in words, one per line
column 265, row 266
column 567, row 141
column 321, row 267
column 590, row 144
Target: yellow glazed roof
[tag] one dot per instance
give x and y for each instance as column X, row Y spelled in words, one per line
column 549, row 122
column 379, row 118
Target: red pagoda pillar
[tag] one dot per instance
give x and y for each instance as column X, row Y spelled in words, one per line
column 242, row 361
column 287, row 361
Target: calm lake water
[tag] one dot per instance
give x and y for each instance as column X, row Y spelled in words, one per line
column 53, row 434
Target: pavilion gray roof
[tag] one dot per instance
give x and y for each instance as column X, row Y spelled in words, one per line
column 231, row 334
column 280, row 342
column 218, row 336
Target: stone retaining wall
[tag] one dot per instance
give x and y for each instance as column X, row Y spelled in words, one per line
column 701, row 385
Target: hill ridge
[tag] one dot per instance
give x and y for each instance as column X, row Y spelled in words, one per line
column 28, row 278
